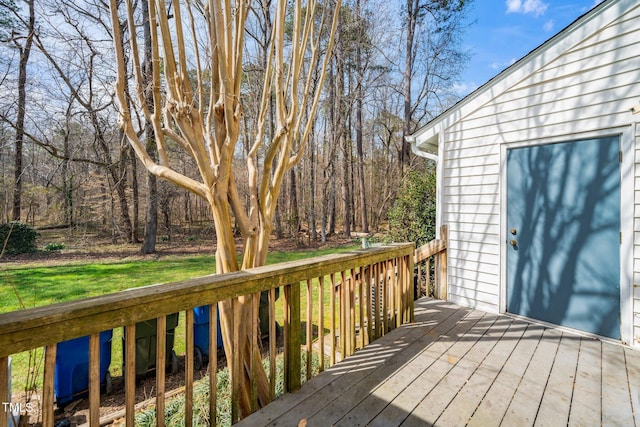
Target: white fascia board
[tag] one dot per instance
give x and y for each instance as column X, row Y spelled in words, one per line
column 426, row 138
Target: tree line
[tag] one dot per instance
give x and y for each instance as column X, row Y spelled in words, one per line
column 64, row 159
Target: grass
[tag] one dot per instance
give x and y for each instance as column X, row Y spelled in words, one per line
column 36, row 285
column 39, row 285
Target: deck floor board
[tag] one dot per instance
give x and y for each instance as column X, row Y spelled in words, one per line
column 456, row 366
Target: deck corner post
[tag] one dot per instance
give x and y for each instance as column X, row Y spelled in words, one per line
column 292, row 337
column 442, row 264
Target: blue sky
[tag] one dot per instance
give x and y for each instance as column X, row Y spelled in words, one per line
column 506, row 30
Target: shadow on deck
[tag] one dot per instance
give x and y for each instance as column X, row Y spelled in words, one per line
column 456, row 366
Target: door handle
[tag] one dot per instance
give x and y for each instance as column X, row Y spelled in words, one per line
column 513, row 243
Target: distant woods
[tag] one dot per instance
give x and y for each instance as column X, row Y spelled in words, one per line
column 65, row 161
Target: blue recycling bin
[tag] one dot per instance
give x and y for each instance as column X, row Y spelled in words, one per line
column 71, row 378
column 201, row 334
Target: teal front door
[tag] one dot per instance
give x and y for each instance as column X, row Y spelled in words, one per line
column 563, row 234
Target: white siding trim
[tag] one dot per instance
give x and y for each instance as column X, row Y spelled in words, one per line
column 631, row 169
column 627, row 181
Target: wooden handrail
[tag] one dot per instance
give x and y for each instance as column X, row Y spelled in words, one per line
column 378, row 297
column 429, row 249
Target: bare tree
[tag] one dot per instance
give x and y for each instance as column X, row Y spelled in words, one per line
column 431, row 51
column 23, row 42
column 151, row 220
column 204, row 120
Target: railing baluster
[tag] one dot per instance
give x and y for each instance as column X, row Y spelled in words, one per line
column 130, row 374
column 161, row 363
column 213, row 363
column 391, row 294
column 309, row 327
column 321, row 322
column 352, row 312
column 343, row 320
column 361, row 305
column 403, row 300
column 376, row 301
column 385, row 298
column 4, row 388
column 367, row 302
column 188, row 369
column 94, row 380
column 332, row 308
column 427, row 276
column 272, row 343
column 401, row 290
column 255, row 336
column 236, row 370
column 47, row 388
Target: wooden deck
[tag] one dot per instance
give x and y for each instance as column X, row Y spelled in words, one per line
column 455, row 366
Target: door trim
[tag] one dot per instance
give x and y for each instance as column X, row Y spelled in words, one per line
column 626, row 217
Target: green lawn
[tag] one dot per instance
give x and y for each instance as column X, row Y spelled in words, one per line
column 37, row 285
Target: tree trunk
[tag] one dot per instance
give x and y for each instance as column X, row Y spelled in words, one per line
column 359, row 150
column 332, row 203
column 412, row 11
column 294, row 212
column 136, row 195
column 346, row 192
column 25, row 52
column 151, row 221
column 151, row 217
column 67, row 182
column 312, row 186
column 119, row 175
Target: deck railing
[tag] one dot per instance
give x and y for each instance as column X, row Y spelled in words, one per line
column 433, row 281
column 369, row 292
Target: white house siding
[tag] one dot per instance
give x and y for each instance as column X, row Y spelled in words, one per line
column 585, row 81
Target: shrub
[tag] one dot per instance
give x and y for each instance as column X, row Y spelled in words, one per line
column 413, row 215
column 54, row 246
column 17, row 238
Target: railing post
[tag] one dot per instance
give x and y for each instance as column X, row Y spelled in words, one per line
column 292, row 337
column 442, row 264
